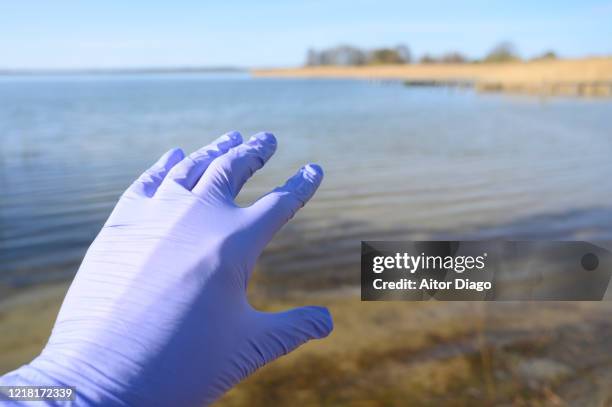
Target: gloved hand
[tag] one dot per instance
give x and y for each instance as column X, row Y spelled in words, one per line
column 157, row 313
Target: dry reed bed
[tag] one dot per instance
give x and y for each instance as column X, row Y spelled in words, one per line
column 580, row 77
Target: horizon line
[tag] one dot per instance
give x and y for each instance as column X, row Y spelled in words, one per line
column 122, row 70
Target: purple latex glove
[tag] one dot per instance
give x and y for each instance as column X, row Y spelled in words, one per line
column 157, row 313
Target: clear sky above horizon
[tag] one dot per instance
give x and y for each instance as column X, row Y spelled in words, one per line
column 115, row 34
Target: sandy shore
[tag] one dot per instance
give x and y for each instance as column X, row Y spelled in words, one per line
column 581, row 77
column 26, row 319
column 390, row 353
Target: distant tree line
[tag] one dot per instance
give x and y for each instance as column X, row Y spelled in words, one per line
column 347, row 55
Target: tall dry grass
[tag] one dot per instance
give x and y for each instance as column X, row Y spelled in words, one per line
column 586, row 77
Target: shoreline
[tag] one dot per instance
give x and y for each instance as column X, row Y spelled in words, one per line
column 591, row 77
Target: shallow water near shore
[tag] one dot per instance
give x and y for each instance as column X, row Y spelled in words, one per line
column 400, row 163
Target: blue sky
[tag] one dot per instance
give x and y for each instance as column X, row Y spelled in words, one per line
column 87, row 34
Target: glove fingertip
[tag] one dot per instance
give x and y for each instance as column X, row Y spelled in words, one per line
column 264, row 137
column 321, row 320
column 234, row 137
column 264, row 144
column 315, row 171
column 175, row 154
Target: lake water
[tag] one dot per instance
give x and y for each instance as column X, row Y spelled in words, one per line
column 400, row 163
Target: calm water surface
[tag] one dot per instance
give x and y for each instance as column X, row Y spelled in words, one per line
column 400, row 162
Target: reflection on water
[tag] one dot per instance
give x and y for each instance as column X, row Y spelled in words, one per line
column 400, row 163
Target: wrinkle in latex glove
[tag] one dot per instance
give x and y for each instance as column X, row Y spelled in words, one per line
column 157, row 313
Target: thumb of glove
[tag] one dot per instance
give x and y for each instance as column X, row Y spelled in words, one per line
column 285, row 331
